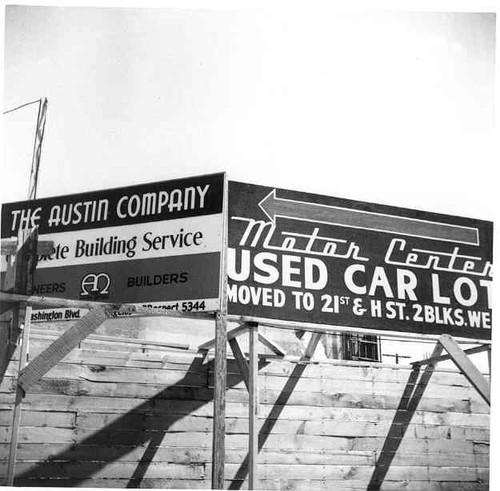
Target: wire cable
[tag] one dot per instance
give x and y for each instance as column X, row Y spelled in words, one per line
column 21, row 106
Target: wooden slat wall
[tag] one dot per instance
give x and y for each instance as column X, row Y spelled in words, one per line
column 118, row 415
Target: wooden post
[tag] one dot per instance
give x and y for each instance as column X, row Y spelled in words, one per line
column 26, row 261
column 220, row 363
column 218, row 442
column 253, row 406
column 24, row 318
column 23, row 269
column 489, row 361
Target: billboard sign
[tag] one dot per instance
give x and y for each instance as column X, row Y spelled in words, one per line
column 157, row 244
column 313, row 259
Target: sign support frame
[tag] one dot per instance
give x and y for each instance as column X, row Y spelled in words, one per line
column 253, row 406
column 462, row 361
column 19, row 277
column 220, row 362
column 23, row 316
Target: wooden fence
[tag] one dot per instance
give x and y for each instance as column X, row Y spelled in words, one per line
column 121, row 413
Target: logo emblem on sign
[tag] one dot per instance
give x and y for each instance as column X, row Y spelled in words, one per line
column 95, row 286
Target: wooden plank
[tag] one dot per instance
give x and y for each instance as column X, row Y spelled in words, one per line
column 99, row 372
column 219, row 428
column 113, row 358
column 96, row 342
column 39, row 435
column 253, row 407
column 356, row 485
column 273, row 346
column 334, row 370
column 8, row 246
column 115, row 470
column 364, row 387
column 86, row 423
column 346, row 473
column 53, row 419
column 285, row 445
column 240, row 360
column 268, row 484
column 473, row 375
column 144, row 344
column 65, row 395
column 141, row 393
column 187, row 455
column 440, row 459
column 62, row 346
column 108, row 483
column 458, row 474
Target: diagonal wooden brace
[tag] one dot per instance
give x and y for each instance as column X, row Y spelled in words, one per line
column 69, row 340
column 240, row 357
column 269, row 343
column 312, row 345
column 230, row 335
column 462, row 361
column 471, row 372
column 240, row 360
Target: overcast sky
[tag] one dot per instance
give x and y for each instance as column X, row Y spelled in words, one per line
column 385, row 106
column 393, row 107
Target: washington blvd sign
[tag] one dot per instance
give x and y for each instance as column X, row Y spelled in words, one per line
column 315, row 259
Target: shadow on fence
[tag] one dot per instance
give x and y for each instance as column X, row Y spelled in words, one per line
column 118, row 442
column 406, row 409
column 269, row 423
